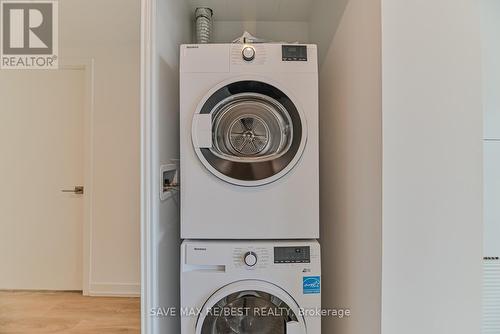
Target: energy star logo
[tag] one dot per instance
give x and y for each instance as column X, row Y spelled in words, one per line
column 29, row 31
column 311, row 284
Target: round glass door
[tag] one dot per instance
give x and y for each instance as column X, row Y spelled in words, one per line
column 257, row 133
column 249, row 312
column 250, row 307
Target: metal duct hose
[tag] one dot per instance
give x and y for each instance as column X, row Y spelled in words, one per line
column 203, row 25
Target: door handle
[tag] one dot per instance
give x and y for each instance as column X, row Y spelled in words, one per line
column 78, row 190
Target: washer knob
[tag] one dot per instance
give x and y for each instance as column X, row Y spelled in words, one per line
column 250, row 259
column 248, row 53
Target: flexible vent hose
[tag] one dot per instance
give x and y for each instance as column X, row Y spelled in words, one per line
column 203, row 25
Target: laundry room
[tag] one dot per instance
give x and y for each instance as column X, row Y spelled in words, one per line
column 250, row 166
column 278, row 151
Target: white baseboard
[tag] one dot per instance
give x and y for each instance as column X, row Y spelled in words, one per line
column 115, row 289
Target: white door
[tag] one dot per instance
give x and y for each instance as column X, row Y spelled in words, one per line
column 41, row 150
column 249, row 133
column 252, row 295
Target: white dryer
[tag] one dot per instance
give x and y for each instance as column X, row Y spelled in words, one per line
column 249, row 141
column 249, row 287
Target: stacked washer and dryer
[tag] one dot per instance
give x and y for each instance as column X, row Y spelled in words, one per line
column 250, row 262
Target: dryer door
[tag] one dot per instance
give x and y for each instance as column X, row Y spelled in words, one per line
column 249, row 133
column 250, row 307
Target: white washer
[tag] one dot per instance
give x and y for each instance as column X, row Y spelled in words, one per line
column 253, row 287
column 249, row 141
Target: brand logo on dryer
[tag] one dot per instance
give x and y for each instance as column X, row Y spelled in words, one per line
column 311, row 284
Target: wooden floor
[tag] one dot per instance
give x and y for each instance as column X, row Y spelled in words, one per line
column 67, row 312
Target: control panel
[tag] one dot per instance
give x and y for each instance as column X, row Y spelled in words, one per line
column 251, row 256
column 239, row 58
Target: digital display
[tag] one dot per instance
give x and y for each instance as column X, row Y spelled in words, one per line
column 294, row 53
column 292, row 254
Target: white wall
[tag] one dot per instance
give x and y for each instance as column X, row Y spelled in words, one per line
column 432, row 199
column 324, row 20
column 490, row 35
column 277, row 31
column 109, row 32
column 173, row 27
column 351, row 168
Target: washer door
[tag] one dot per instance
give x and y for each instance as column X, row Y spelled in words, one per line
column 249, row 133
column 250, row 307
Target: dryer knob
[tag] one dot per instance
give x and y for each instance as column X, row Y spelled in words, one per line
column 250, row 259
column 248, row 53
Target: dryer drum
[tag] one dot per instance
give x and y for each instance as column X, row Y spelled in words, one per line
column 249, row 312
column 257, row 132
column 250, row 127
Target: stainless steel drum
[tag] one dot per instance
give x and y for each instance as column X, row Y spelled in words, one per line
column 257, row 132
column 249, row 312
column 251, row 127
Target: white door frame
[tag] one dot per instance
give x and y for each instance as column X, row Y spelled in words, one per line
column 87, row 65
column 147, row 203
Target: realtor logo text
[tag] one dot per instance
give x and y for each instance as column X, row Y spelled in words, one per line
column 29, row 31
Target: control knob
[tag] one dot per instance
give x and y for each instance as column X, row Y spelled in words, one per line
column 248, row 53
column 250, row 259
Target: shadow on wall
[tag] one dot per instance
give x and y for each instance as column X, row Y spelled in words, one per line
column 351, row 167
column 324, row 21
